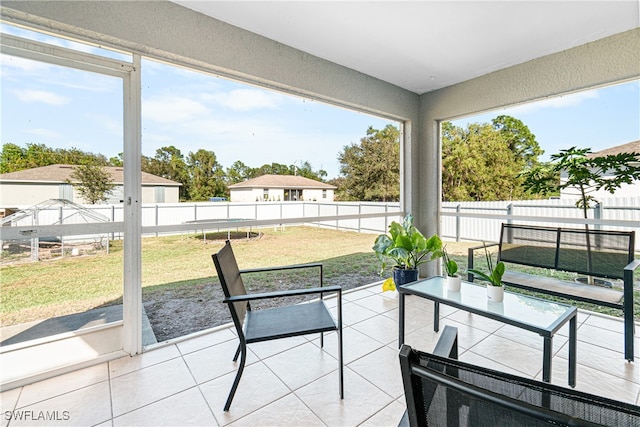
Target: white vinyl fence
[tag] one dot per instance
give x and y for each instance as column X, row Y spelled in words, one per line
column 471, row 221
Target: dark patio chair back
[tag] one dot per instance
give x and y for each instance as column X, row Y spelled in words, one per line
column 232, row 284
column 444, row 391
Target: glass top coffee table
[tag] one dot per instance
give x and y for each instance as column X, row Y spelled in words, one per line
column 534, row 314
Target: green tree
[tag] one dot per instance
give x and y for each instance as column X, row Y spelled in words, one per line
column 169, row 163
column 238, row 172
column 207, row 176
column 519, row 138
column 93, row 182
column 483, row 162
column 305, row 169
column 371, row 169
column 578, row 169
column 15, row 158
column 586, row 173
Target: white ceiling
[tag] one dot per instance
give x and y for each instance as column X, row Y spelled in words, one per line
column 426, row 45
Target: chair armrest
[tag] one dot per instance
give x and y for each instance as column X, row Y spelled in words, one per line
column 284, row 267
column 289, row 293
column 632, row 265
column 470, row 253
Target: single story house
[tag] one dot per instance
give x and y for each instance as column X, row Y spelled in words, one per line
column 626, row 190
column 278, row 188
column 32, row 186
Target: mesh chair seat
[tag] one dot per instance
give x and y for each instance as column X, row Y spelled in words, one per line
column 289, row 321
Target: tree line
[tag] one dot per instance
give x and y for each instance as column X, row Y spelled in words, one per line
column 200, row 173
column 482, row 162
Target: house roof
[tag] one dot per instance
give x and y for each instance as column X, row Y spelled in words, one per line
column 281, row 181
column 62, row 173
column 629, row 147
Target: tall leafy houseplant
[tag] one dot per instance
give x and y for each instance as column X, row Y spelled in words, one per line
column 406, row 248
column 585, row 173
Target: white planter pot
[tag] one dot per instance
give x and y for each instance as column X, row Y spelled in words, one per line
column 453, row 283
column 495, row 293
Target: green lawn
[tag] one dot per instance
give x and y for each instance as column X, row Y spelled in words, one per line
column 183, row 264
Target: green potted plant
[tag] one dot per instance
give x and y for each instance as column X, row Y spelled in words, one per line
column 406, row 247
column 495, row 287
column 451, row 269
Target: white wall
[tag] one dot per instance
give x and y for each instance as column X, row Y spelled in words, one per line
column 14, row 194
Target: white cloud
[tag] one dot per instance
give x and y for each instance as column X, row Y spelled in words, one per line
column 246, row 99
column 111, row 125
column 172, row 109
column 31, row 95
column 16, row 64
column 44, row 132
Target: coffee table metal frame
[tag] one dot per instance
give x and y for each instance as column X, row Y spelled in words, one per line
column 534, row 314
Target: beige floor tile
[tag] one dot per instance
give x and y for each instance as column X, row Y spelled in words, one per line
column 285, row 412
column 359, row 294
column 360, row 401
column 415, row 317
column 144, row 386
column 615, row 324
column 467, row 336
column 301, row 365
column 82, row 407
column 604, row 360
column 378, row 303
column 529, row 338
column 380, row 328
column 269, row 348
column 419, row 303
column 478, row 360
column 8, row 402
column 258, row 387
column 204, row 341
column 62, row 384
column 510, row 353
column 423, row 339
column 390, row 415
column 215, row 361
column 127, row 364
column 382, row 368
column 594, row 381
column 606, row 338
column 353, row 313
column 355, row 344
column 187, row 408
column 480, row 322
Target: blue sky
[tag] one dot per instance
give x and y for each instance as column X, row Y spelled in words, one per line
column 64, row 108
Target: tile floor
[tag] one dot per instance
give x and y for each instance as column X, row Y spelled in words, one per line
column 293, row 382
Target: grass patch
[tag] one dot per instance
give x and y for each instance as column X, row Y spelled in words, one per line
column 181, row 264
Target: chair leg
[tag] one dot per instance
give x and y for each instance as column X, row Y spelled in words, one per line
column 234, row 387
column 340, row 368
column 340, row 361
column 235, row 358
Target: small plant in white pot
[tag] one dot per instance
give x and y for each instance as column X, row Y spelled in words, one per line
column 495, row 287
column 451, row 268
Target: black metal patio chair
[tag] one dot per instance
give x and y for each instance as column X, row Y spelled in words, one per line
column 442, row 391
column 275, row 323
